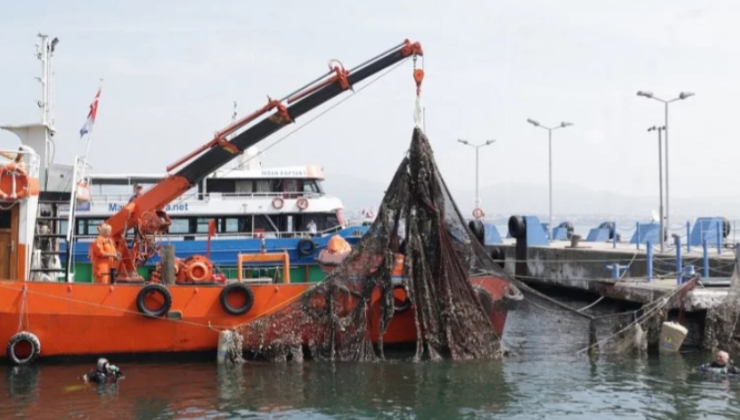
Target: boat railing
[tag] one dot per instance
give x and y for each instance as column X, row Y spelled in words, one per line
column 244, row 235
column 118, row 198
column 30, row 161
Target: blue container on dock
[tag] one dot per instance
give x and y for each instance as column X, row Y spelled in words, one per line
column 536, row 232
column 648, row 232
column 491, row 237
column 706, row 228
column 598, row 235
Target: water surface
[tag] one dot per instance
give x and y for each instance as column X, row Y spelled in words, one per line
column 541, row 382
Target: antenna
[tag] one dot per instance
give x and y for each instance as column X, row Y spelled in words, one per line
column 233, row 115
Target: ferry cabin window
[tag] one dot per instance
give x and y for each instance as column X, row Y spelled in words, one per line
column 88, row 226
column 311, row 187
column 244, row 186
column 201, row 225
column 290, row 185
column 262, row 186
column 179, row 226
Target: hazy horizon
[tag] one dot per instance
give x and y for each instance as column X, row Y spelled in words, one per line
column 173, row 69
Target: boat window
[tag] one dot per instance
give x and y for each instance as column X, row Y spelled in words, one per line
column 244, row 186
column 92, row 226
column 201, row 225
column 221, row 186
column 290, row 185
column 229, row 225
column 310, row 187
column 179, row 225
column 263, row 186
column 276, row 185
column 261, row 223
column 319, row 187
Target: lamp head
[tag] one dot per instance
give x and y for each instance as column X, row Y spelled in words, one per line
column 533, row 122
column 685, row 95
column 565, row 124
column 490, row 142
column 462, row 141
column 645, row 93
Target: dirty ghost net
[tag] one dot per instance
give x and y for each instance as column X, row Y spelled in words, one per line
column 417, row 218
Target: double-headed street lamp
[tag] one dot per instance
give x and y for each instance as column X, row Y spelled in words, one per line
column 549, row 132
column 681, row 96
column 476, row 147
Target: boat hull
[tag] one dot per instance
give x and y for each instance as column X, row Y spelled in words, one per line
column 77, row 319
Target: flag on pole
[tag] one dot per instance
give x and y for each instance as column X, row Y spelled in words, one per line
column 91, row 115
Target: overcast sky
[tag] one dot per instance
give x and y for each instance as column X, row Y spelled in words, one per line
column 173, row 68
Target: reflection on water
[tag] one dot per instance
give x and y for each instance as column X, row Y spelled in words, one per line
column 537, row 383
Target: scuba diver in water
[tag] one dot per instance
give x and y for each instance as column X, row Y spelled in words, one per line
column 721, row 365
column 103, row 373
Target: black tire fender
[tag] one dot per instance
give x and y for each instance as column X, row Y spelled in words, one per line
column 306, row 247
column 19, row 338
column 517, row 228
column 237, row 288
column 479, row 231
column 158, row 289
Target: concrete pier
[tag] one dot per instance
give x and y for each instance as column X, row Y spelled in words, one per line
column 589, row 268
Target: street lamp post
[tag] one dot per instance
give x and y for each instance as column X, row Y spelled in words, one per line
column 549, row 141
column 660, row 183
column 476, row 147
column 681, row 96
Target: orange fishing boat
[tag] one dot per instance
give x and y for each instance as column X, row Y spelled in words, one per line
column 45, row 311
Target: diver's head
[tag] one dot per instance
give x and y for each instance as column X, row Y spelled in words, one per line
column 721, row 358
column 102, row 364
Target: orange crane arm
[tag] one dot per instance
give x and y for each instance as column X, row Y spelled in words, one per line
column 145, row 214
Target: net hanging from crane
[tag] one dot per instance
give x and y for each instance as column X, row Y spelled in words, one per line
column 336, row 319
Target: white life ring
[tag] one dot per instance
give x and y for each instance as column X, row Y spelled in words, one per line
column 302, row 203
column 478, row 213
column 278, row 203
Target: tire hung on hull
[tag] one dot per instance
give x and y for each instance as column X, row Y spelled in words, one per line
column 19, row 339
column 239, row 288
column 157, row 289
column 306, row 247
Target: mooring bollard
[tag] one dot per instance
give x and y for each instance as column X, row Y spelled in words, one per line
column 688, row 236
column 649, row 261
column 705, row 270
column 679, row 265
column 616, row 268
column 637, row 228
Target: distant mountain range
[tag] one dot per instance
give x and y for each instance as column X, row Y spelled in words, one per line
column 502, row 200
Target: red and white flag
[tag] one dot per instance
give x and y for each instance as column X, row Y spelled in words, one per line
column 91, row 115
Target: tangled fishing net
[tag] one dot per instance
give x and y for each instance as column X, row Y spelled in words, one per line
column 595, row 329
column 339, row 318
column 721, row 330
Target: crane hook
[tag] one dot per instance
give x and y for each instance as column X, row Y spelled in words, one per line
column 418, row 77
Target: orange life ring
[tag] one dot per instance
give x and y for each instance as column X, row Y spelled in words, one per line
column 478, row 213
column 302, row 203
column 199, row 270
column 14, row 183
column 278, row 203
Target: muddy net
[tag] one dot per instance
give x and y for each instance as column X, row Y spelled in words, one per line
column 416, row 261
column 561, row 326
column 721, row 329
